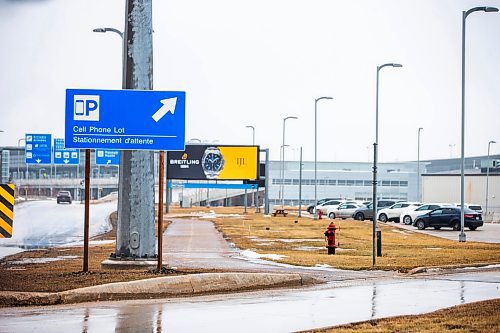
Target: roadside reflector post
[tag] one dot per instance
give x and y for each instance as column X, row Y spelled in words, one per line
column 160, row 210
column 86, row 214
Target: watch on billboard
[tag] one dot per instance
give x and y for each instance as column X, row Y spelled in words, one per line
column 209, row 162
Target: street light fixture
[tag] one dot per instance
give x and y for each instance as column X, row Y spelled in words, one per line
column 316, row 152
column 375, row 156
column 124, row 67
column 253, row 133
column 283, row 161
column 461, row 236
column 487, row 178
column 418, row 165
column 109, row 30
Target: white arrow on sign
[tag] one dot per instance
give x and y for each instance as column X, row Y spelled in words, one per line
column 66, row 161
column 168, row 106
column 38, row 160
column 108, row 162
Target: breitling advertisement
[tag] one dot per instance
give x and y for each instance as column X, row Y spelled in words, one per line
column 206, row 162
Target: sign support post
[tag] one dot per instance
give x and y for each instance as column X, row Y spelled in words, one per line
column 160, row 210
column 86, row 214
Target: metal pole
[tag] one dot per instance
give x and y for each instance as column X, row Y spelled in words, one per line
column 374, row 200
column 462, row 236
column 282, row 174
column 283, row 163
column 300, row 184
column 487, row 178
column 375, row 157
column 245, row 201
column 160, row 210
column 86, row 213
column 316, row 153
column 266, row 182
column 418, row 165
column 315, row 157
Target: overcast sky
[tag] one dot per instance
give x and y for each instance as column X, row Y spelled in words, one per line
column 256, row 62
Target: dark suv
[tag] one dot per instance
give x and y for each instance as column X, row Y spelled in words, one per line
column 366, row 212
column 448, row 217
column 63, row 196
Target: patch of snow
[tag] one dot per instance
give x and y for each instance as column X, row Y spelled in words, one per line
column 91, row 243
column 8, row 251
column 323, row 266
column 41, row 260
column 309, row 248
column 254, row 255
column 298, row 240
column 433, row 248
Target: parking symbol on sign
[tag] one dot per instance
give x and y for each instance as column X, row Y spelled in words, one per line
column 86, row 107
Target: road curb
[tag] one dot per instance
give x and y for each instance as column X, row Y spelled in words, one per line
column 171, row 286
column 419, row 270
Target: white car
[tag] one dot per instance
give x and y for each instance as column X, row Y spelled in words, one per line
column 331, row 204
column 475, row 207
column 343, row 211
column 393, row 212
column 409, row 215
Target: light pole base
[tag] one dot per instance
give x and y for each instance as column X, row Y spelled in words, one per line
column 461, row 237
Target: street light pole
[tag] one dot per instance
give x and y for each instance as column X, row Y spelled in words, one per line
column 254, row 192
column 418, row 165
column 487, row 178
column 461, row 236
column 316, row 152
column 375, row 156
column 283, row 161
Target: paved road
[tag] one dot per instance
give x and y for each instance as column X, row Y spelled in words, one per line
column 263, row 311
column 489, row 233
column 197, row 244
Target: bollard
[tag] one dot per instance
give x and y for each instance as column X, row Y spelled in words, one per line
column 379, row 243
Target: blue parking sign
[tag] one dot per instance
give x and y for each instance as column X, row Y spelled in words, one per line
column 38, row 149
column 125, row 119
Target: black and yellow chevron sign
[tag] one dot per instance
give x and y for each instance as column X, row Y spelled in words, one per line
column 6, row 210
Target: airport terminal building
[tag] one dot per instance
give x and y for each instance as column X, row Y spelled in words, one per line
column 350, row 180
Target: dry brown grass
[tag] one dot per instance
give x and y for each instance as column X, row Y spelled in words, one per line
column 402, row 250
column 478, row 317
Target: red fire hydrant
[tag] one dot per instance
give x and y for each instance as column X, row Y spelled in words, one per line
column 320, row 214
column 330, row 238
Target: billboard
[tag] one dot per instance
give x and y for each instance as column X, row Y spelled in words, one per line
column 214, row 162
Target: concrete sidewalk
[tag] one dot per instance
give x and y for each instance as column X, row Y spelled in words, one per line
column 171, row 286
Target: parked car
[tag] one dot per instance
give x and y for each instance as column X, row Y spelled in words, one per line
column 448, row 217
column 332, row 204
column 310, row 208
column 393, row 212
column 64, row 196
column 343, row 211
column 475, row 207
column 366, row 212
column 410, row 214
